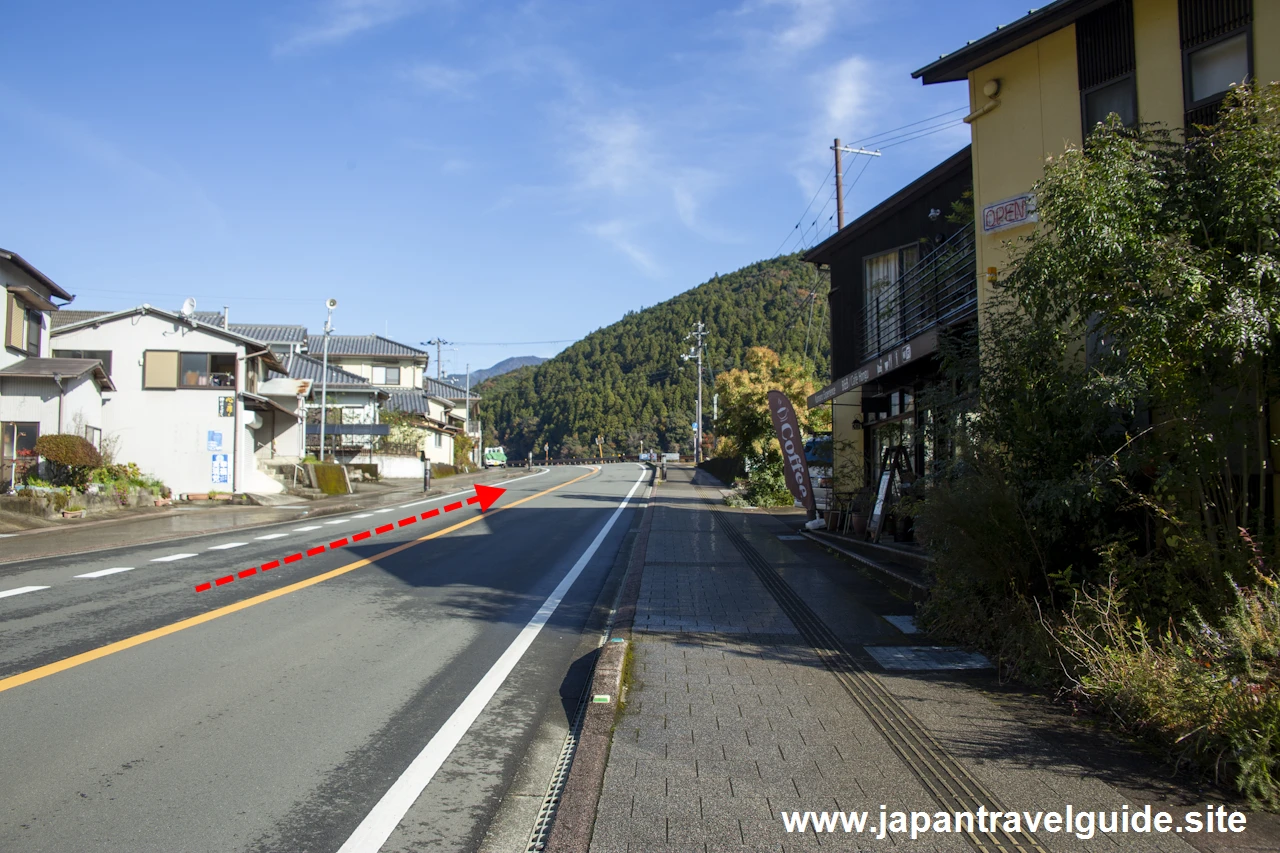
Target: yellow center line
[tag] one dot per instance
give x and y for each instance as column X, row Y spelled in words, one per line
column 147, row 636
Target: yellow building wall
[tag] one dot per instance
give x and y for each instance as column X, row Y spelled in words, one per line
column 847, row 443
column 1157, row 49
column 1266, row 41
column 1038, row 116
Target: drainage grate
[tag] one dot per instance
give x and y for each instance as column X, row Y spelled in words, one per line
column 946, row 780
column 555, row 789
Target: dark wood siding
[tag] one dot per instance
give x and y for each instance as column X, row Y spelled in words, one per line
column 907, row 223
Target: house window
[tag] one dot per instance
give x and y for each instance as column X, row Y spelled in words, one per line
column 35, row 325
column 1216, row 53
column 160, row 369
column 881, row 300
column 168, row 369
column 386, row 376
column 14, row 328
column 439, row 440
column 102, row 355
column 1105, row 63
column 1215, row 67
column 17, row 450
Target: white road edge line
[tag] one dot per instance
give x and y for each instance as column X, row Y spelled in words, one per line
column 101, row 573
column 305, row 529
column 271, row 536
column 20, row 590
column 171, row 558
column 227, row 545
column 378, row 825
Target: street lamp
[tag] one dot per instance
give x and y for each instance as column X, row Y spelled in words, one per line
column 324, row 373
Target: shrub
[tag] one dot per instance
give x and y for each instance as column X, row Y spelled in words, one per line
column 69, row 450
column 71, row 458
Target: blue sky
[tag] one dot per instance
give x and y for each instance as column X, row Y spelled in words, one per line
column 484, row 172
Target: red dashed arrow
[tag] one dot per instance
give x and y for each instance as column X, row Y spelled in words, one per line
column 485, row 496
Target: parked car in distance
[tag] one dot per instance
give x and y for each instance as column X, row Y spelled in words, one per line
column 819, row 457
column 495, row 457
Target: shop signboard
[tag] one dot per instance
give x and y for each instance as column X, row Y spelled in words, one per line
column 1009, row 213
column 912, row 350
column 794, row 465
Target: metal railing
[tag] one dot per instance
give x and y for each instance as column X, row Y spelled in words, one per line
column 942, row 287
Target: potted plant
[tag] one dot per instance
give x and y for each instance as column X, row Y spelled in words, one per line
column 860, row 511
column 73, row 512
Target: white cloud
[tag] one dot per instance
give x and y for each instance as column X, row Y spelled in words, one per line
column 804, row 24
column 618, row 234
column 848, row 86
column 441, row 78
column 614, row 153
column 338, row 20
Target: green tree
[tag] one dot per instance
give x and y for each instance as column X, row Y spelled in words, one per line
column 747, row 427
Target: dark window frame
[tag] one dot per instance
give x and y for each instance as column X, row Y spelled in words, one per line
column 35, row 329
column 1189, row 105
column 1094, row 68
column 102, row 355
column 1131, row 77
column 208, row 371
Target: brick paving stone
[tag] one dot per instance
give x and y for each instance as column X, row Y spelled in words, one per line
column 733, row 718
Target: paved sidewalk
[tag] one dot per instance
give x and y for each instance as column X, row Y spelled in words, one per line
column 132, row 527
column 745, row 704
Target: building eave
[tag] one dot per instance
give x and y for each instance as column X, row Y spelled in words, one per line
column 955, row 164
column 955, row 66
column 25, row 265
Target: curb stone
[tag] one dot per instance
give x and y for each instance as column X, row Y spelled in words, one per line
column 575, row 818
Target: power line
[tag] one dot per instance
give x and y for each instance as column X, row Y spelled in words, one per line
column 510, row 343
column 816, row 193
column 904, row 127
column 925, row 133
column 865, row 164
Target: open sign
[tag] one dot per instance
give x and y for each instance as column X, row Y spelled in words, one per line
column 1009, row 213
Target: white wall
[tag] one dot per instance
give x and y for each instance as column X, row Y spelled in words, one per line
column 36, row 400
column 167, row 431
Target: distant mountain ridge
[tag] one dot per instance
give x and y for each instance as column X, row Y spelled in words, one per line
column 627, row 384
column 505, row 366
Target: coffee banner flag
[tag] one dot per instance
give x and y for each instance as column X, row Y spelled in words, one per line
column 793, row 461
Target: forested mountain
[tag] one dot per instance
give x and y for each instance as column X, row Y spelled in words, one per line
column 628, row 383
column 505, row 366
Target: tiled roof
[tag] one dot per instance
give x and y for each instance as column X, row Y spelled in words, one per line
column 270, row 333
column 409, row 401
column 302, row 367
column 207, row 318
column 69, row 368
column 363, row 345
column 66, row 316
column 436, row 388
column 415, row 402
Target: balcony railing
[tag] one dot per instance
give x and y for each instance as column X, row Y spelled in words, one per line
column 941, row 288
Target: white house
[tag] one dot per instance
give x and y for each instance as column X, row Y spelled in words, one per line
column 352, row 425
column 434, row 426
column 39, row 394
column 190, row 403
column 381, row 361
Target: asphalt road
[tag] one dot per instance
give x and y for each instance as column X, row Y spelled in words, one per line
column 386, row 689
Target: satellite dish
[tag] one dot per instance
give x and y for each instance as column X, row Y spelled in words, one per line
column 188, row 307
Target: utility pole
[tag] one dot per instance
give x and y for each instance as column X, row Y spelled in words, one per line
column 438, row 342
column 699, row 332
column 324, row 373
column 838, row 148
